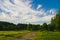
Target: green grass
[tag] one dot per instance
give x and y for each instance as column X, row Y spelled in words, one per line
column 11, row 35
column 48, row 36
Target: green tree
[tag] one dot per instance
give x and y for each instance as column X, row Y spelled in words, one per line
column 55, row 22
column 44, row 26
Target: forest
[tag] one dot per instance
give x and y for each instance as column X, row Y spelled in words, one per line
column 53, row 26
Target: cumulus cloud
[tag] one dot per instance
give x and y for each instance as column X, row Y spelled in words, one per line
column 20, row 11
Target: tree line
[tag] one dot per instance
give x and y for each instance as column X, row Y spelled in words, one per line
column 53, row 26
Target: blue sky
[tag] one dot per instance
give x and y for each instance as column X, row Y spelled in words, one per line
column 47, row 4
column 28, row 11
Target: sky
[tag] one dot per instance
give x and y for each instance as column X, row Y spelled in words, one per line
column 47, row 4
column 28, row 11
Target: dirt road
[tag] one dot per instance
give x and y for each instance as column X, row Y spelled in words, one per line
column 29, row 36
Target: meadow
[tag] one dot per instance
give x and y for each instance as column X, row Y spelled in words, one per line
column 48, row 36
column 15, row 35
column 12, row 35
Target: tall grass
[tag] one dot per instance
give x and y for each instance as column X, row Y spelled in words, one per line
column 48, row 36
column 12, row 35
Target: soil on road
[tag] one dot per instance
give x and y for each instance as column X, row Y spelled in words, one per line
column 29, row 36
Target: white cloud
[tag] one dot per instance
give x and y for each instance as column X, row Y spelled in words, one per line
column 39, row 6
column 53, row 11
column 20, row 12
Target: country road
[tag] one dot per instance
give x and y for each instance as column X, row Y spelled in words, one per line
column 29, row 36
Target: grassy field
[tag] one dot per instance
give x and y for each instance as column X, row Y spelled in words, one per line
column 12, row 35
column 48, row 36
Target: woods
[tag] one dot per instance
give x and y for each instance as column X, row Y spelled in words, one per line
column 53, row 26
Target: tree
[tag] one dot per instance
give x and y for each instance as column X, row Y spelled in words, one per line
column 36, row 27
column 45, row 26
column 51, row 28
column 21, row 26
column 55, row 22
column 6, row 26
column 30, row 27
column 33, row 27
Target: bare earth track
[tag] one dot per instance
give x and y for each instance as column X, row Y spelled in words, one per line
column 29, row 36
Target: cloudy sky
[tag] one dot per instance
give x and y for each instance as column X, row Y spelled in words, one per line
column 28, row 11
